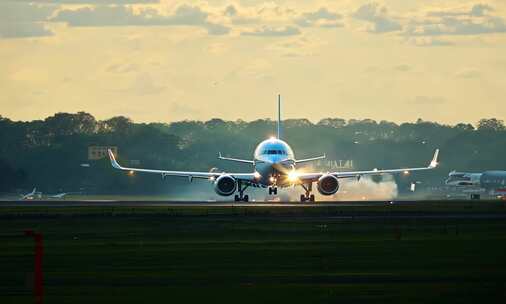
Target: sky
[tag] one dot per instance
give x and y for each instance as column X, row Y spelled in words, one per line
column 164, row 61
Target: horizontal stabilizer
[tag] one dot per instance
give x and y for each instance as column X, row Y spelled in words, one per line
column 237, row 160
column 306, row 160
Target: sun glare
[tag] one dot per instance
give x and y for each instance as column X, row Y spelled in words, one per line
column 293, row 176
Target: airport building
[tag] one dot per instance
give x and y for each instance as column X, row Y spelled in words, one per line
column 100, row 152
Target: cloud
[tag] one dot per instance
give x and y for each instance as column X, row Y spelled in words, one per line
column 24, row 12
column 22, row 20
column 231, row 11
column 296, row 47
column 428, row 42
column 183, row 15
column 480, row 10
column 238, row 15
column 320, row 18
column 477, row 10
column 420, row 27
column 379, row 18
column 475, row 20
column 268, row 31
column 89, row 1
column 24, row 30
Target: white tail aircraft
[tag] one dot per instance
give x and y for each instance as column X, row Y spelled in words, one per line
column 58, row 195
column 274, row 166
column 31, row 195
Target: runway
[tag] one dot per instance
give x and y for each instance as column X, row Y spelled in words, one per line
column 341, row 209
column 117, row 203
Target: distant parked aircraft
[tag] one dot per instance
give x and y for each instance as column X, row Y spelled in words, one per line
column 31, row 195
column 492, row 181
column 37, row 194
column 58, row 196
column 274, row 165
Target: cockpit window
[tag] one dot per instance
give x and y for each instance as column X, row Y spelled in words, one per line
column 280, row 152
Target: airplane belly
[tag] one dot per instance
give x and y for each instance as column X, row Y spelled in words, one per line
column 266, row 171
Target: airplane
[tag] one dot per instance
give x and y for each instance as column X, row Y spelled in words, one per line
column 31, row 195
column 274, row 166
column 494, row 182
column 58, row 196
column 463, row 179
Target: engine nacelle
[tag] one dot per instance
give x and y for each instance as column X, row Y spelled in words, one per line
column 225, row 185
column 328, row 184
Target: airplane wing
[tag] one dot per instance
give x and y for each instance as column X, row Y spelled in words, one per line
column 250, row 177
column 308, row 177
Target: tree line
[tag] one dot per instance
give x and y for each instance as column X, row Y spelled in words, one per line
column 52, row 154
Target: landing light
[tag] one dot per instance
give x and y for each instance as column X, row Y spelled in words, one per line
column 272, row 179
column 293, row 176
column 257, row 175
column 406, row 172
column 131, row 173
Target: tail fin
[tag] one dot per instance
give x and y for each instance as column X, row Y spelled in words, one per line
column 279, row 116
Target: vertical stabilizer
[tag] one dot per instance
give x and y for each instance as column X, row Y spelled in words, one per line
column 279, row 116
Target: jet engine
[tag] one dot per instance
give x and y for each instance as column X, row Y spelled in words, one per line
column 328, row 184
column 225, row 185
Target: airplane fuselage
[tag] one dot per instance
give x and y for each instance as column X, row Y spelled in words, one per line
column 273, row 161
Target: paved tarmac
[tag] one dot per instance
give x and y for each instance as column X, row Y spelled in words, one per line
column 112, row 203
column 364, row 214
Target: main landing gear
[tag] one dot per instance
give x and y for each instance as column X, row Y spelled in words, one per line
column 241, row 197
column 307, row 196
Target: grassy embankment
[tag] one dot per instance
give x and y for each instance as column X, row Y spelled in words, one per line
column 246, row 255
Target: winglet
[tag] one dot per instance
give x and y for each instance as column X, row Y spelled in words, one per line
column 219, row 155
column 114, row 163
column 434, row 163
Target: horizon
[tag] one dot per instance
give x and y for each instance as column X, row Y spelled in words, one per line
column 314, row 122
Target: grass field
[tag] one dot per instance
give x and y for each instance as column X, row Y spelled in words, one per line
column 241, row 255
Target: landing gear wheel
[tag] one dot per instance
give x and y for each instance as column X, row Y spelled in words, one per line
column 241, row 197
column 307, row 196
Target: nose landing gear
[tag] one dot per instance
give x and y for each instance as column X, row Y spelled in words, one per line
column 273, row 191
